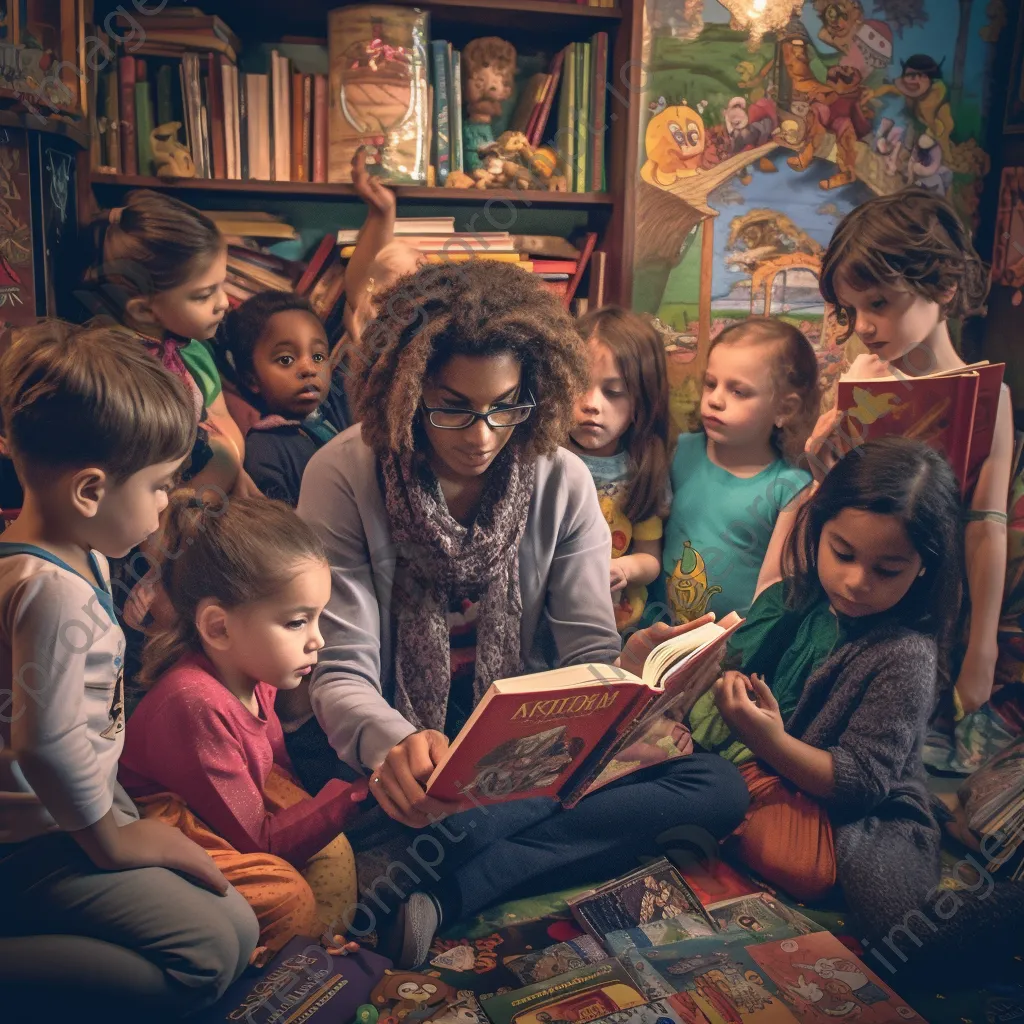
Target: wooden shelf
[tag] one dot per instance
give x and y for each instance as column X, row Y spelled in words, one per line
column 261, row 19
column 315, row 190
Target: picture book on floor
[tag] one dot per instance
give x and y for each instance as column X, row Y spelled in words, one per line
column 652, row 895
column 954, row 411
column 304, row 982
column 567, row 732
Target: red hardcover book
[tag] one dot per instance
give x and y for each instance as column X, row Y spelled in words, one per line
column 320, row 128
column 936, row 409
column 585, row 251
column 218, row 136
column 559, row 734
column 549, row 99
column 126, row 84
column 323, row 251
column 990, row 383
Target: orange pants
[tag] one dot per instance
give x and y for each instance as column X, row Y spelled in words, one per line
column 285, row 901
column 786, row 836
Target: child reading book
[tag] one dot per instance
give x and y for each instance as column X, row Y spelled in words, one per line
column 247, row 582
column 831, row 697
column 731, row 480
column 106, row 909
column 898, row 269
column 620, row 433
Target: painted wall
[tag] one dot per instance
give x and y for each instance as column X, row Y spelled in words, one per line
column 751, row 153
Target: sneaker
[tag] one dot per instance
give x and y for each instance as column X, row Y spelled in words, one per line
column 419, row 919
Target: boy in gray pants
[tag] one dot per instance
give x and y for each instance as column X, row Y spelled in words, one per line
column 97, row 904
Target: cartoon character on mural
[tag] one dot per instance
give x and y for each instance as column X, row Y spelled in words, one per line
column 835, row 107
column 925, row 97
column 747, row 129
column 675, row 144
column 840, row 20
column 926, row 167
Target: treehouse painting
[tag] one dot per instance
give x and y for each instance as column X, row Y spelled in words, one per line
column 751, row 153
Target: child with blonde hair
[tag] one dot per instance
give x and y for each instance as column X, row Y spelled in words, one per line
column 730, row 481
column 99, row 906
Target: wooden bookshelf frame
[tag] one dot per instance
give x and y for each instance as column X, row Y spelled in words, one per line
column 610, row 213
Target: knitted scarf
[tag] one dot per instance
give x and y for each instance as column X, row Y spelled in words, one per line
column 438, row 559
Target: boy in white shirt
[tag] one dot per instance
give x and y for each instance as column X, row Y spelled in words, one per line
column 96, row 903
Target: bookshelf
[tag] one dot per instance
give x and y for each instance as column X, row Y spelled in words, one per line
column 527, row 24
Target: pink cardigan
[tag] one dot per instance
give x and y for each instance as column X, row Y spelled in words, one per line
column 191, row 736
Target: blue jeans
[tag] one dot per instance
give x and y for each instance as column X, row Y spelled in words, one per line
column 508, row 851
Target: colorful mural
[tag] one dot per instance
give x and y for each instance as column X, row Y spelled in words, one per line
column 752, row 151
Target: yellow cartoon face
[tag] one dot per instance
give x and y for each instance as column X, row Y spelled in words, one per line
column 620, row 527
column 688, row 590
column 675, row 141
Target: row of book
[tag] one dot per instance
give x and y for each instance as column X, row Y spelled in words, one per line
column 275, row 124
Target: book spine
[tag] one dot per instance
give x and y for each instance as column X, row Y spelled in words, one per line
column 598, row 111
column 549, row 99
column 193, row 108
column 320, row 128
column 275, row 119
column 113, row 109
column 442, row 143
column 583, row 117
column 144, row 128
column 164, row 92
column 204, row 125
column 215, row 116
column 298, row 171
column 307, row 128
column 230, row 118
column 459, row 162
column 126, row 78
column 243, row 125
column 264, row 129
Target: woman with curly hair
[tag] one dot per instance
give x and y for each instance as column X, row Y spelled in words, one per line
column 467, row 546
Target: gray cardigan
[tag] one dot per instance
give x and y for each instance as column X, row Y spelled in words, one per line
column 869, row 706
column 563, row 577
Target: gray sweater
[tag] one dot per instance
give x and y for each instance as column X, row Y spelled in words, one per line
column 869, row 705
column 563, row 577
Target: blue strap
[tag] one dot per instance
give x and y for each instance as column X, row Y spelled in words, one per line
column 103, row 593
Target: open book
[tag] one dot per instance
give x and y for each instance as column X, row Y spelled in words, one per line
column 954, row 411
column 570, row 731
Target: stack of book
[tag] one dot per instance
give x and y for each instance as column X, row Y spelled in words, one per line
column 438, row 240
column 993, row 800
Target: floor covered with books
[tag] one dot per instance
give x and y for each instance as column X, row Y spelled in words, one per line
column 534, row 940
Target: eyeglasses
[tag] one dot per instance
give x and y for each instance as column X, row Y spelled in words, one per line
column 496, row 419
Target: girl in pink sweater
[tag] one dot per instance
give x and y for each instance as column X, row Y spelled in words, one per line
column 248, row 581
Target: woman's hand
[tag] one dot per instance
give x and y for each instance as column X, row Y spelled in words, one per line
column 399, row 781
column 377, row 196
column 643, row 641
column 758, row 724
column 149, row 843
